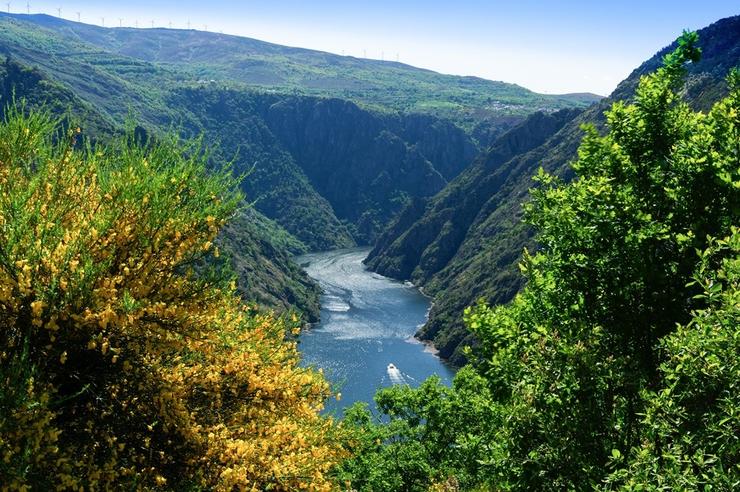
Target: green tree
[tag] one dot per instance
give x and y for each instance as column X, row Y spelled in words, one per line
column 576, row 367
column 433, row 435
column 572, row 354
column 691, row 424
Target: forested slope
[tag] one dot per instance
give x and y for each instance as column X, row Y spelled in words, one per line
column 259, row 250
column 458, row 260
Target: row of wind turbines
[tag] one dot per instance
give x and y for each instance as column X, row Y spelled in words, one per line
column 152, row 23
column 102, row 19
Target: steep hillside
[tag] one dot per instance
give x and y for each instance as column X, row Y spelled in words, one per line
column 260, row 253
column 257, row 249
column 466, row 242
column 329, row 171
column 18, row 81
column 232, row 125
column 375, row 83
column 417, row 249
column 367, row 165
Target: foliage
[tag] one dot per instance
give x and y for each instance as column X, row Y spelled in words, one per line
column 433, row 434
column 119, row 366
column 258, row 249
column 586, row 380
column 691, row 422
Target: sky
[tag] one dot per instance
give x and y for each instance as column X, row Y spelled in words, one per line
column 548, row 46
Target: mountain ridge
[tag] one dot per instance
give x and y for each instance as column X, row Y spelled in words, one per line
column 163, row 97
column 376, row 83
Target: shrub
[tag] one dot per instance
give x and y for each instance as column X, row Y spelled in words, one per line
column 119, row 366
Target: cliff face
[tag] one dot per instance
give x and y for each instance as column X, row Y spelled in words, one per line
column 465, row 242
column 330, row 172
column 368, row 165
column 417, row 250
column 235, row 131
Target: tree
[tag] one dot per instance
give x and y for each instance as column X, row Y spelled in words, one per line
column 691, row 424
column 573, row 353
column 584, row 369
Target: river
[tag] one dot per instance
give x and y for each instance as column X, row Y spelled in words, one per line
column 364, row 340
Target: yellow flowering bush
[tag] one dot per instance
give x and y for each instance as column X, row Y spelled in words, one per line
column 119, row 367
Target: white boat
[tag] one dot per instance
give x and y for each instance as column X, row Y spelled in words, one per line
column 395, row 375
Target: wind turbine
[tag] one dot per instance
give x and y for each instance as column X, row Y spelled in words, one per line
column 78, row 17
column 170, row 24
column 102, row 21
column 28, row 8
column 59, row 12
column 152, row 24
column 120, row 22
column 8, row 4
column 188, row 24
column 136, row 23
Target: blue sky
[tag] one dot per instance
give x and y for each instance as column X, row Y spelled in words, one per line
column 553, row 47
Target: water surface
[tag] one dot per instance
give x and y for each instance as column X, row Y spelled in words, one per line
column 367, row 324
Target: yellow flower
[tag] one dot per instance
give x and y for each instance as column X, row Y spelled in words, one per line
column 36, row 308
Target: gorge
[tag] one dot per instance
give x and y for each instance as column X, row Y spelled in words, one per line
column 228, row 264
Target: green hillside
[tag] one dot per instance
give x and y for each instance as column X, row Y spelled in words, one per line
column 466, row 242
column 204, row 57
column 263, row 135
column 340, row 191
column 257, row 249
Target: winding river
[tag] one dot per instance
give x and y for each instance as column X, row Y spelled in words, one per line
column 364, row 340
